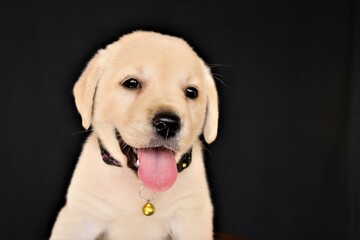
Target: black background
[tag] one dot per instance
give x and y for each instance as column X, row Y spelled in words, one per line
column 286, row 164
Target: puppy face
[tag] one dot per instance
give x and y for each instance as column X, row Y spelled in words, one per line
column 156, row 93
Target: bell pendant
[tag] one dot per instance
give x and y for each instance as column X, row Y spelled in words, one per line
column 148, row 209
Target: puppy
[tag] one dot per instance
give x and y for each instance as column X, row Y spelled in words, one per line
column 148, row 98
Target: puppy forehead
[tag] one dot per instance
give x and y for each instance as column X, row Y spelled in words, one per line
column 152, row 54
column 151, row 42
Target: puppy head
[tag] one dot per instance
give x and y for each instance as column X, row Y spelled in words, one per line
column 156, row 93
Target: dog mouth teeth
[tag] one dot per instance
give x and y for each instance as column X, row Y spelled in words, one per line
column 131, row 153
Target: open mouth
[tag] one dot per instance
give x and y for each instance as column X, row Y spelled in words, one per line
column 156, row 166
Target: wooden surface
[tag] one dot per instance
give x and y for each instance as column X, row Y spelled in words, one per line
column 224, row 236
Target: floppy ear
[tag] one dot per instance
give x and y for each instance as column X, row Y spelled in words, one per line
column 212, row 110
column 85, row 87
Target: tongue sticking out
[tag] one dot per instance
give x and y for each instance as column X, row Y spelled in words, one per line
column 157, row 169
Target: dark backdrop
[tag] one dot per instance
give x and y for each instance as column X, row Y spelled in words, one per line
column 286, row 163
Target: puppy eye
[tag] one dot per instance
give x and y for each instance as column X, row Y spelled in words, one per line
column 131, row 83
column 191, row 92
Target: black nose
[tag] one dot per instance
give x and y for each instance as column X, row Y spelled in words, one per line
column 166, row 124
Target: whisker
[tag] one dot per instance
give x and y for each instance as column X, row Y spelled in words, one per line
column 204, row 147
column 217, row 77
column 83, row 131
column 219, row 65
column 124, row 146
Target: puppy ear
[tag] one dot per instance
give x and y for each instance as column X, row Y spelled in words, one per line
column 85, row 87
column 212, row 111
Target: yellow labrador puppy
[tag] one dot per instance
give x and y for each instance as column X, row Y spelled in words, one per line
column 148, row 98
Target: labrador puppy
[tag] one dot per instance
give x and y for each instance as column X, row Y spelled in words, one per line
column 141, row 175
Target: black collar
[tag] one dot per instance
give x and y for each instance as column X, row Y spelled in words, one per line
column 184, row 162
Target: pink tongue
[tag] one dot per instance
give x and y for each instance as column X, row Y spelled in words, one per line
column 157, row 169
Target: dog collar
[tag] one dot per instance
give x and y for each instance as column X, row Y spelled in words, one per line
column 184, row 162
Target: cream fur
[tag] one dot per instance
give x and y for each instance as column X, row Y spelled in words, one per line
column 102, row 200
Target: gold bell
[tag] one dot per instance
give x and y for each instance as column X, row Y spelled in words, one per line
column 148, row 209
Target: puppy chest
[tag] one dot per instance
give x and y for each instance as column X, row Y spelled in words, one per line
column 138, row 228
